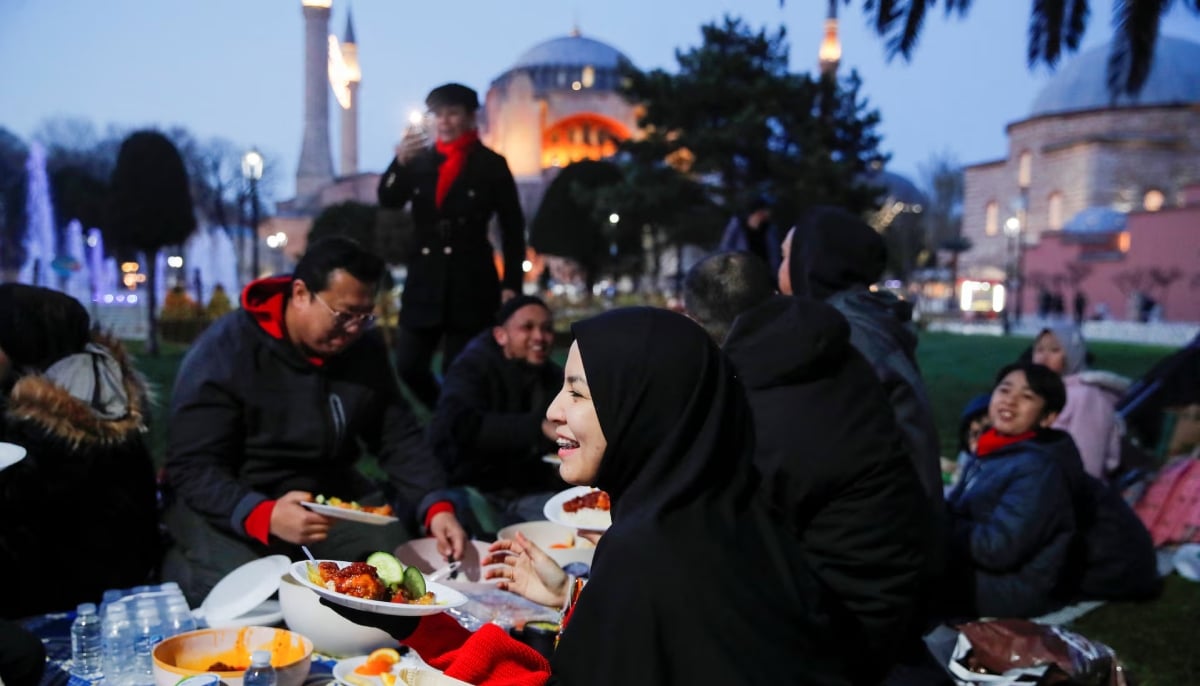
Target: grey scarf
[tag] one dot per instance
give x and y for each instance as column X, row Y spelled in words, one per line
column 94, row 377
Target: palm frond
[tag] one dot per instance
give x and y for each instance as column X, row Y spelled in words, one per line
column 1135, row 34
column 903, row 43
column 1045, row 31
column 1077, row 18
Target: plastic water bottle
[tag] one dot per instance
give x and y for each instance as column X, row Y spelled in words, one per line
column 85, row 643
column 117, row 644
column 261, row 673
column 148, row 631
column 179, row 617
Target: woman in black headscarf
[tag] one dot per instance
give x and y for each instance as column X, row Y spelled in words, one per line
column 693, row 583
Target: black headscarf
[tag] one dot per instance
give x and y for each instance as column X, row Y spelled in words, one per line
column 833, row 250
column 693, row 583
column 40, row 326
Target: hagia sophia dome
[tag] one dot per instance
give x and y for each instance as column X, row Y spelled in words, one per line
column 1081, row 84
column 558, row 103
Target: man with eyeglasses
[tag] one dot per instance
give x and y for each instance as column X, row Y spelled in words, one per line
column 455, row 186
column 275, row 404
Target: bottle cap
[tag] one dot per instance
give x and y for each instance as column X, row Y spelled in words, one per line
column 260, row 658
column 86, row 609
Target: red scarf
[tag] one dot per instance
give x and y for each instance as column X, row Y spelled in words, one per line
column 990, row 441
column 489, row 657
column 455, row 154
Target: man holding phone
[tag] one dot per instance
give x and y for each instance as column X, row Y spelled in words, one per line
column 455, row 186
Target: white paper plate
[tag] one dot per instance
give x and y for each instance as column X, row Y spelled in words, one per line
column 554, row 510
column 349, row 515
column 344, row 669
column 10, row 454
column 446, row 597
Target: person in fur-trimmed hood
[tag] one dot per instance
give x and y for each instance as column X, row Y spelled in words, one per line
column 79, row 512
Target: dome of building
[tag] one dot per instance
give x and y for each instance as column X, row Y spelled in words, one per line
column 1082, row 83
column 571, row 51
column 568, row 63
column 1095, row 221
column 897, row 188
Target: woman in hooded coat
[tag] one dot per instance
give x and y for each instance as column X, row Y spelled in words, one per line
column 694, row 582
column 1090, row 415
column 78, row 515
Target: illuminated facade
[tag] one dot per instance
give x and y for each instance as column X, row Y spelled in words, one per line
column 557, row 104
column 1077, row 155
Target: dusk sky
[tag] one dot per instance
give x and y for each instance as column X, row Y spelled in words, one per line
column 233, row 68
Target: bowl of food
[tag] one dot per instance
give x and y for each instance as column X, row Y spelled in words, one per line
column 562, row 543
column 330, row 633
column 226, row 653
column 423, row 554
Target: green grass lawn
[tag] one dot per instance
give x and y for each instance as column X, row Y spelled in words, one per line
column 1151, row 638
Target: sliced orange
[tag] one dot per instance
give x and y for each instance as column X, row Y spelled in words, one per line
column 389, row 655
column 388, row 679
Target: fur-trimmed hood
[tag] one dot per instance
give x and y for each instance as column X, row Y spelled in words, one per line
column 36, row 399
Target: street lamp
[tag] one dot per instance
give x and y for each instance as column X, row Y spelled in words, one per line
column 252, row 171
column 1012, row 230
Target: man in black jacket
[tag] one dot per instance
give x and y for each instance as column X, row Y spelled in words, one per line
column 455, row 187
column 490, row 429
column 832, row 458
column 272, row 406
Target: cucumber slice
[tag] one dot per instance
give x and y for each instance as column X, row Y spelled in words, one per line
column 389, row 569
column 414, row 582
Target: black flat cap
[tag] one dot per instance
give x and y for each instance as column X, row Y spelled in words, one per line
column 453, row 94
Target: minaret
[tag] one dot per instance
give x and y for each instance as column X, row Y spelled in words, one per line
column 352, row 75
column 315, row 170
column 830, row 52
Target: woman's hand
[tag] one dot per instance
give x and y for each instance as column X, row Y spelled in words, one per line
column 528, row 572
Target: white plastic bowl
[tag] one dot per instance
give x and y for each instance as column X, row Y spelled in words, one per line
column 546, row 534
column 330, row 633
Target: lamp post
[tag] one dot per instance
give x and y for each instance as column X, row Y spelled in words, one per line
column 1012, row 231
column 252, row 171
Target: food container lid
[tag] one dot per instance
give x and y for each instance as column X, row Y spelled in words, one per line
column 245, row 589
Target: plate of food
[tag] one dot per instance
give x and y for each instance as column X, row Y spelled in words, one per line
column 351, row 511
column 382, row 585
column 381, row 668
column 581, row 507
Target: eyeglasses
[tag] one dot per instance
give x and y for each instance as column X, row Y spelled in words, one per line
column 345, row 320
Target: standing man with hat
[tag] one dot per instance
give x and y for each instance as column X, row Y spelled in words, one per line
column 456, row 186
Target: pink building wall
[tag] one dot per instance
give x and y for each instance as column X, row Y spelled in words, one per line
column 1162, row 261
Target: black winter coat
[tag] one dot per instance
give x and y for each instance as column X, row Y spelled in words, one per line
column 252, row 419
column 78, row 515
column 1013, row 526
column 452, row 280
column 487, row 427
column 834, row 464
column 878, row 330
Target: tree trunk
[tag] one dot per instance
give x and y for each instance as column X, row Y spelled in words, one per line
column 152, row 305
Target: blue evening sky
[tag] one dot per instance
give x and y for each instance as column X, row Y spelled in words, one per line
column 233, row 68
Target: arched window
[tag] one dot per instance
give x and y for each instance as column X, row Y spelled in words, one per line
column 1054, row 213
column 1025, row 169
column 588, row 78
column 991, row 218
column 1154, row 200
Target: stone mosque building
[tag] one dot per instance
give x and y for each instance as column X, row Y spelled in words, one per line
column 1061, row 212
column 557, row 104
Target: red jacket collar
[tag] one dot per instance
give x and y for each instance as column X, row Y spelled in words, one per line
column 266, row 301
